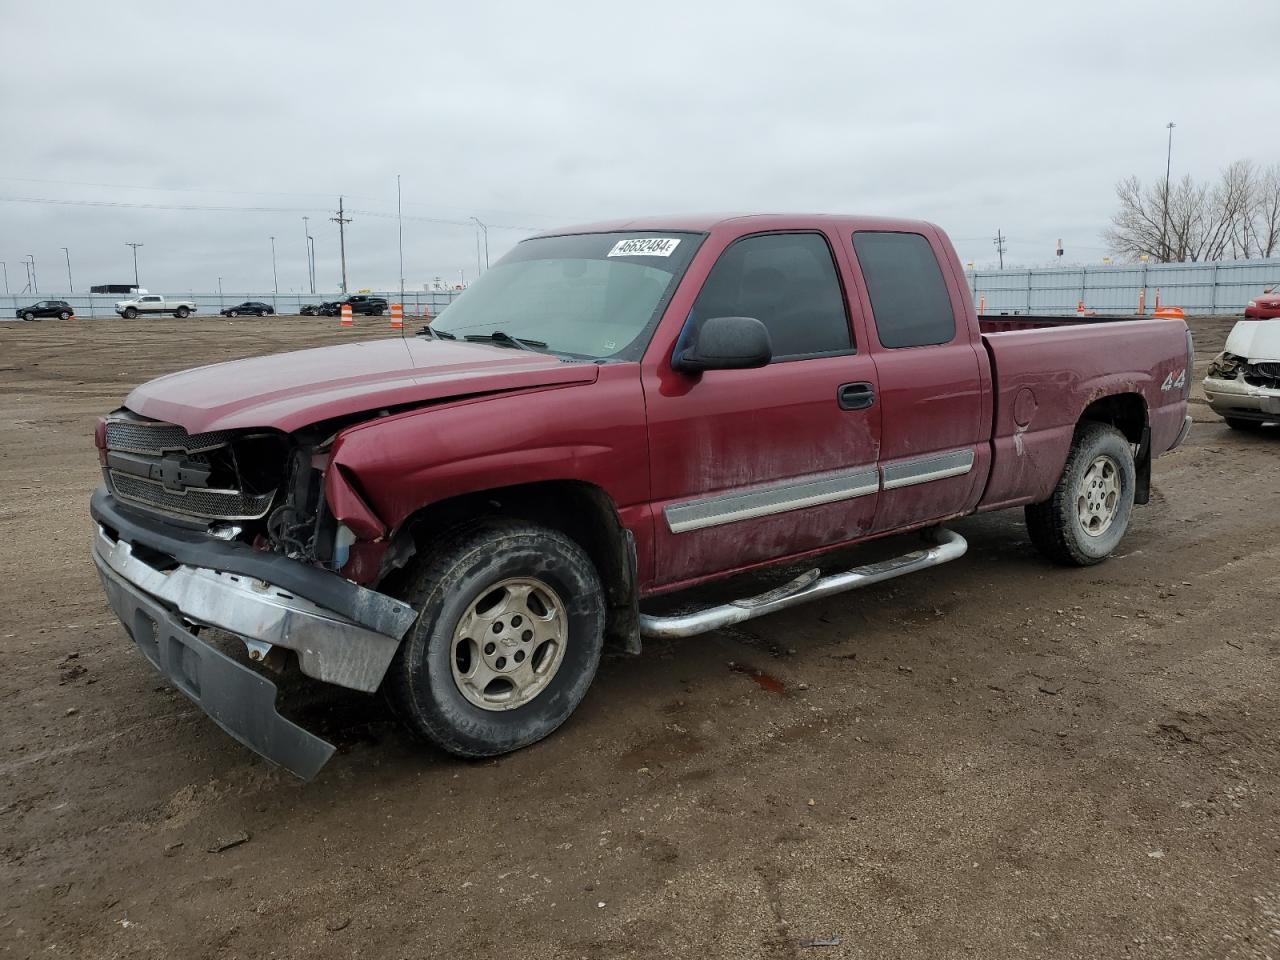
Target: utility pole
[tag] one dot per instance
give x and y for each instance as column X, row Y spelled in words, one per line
column 485, row 230
column 342, row 222
column 400, row 220
column 1164, row 219
column 135, row 246
column 220, row 303
column 70, row 286
column 999, row 241
column 4, row 266
column 35, row 287
column 275, row 279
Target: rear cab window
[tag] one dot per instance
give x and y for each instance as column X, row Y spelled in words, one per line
column 909, row 299
column 788, row 282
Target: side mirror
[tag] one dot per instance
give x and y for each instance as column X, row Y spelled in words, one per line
column 724, row 343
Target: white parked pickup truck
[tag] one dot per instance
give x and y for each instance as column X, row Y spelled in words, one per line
column 153, row 303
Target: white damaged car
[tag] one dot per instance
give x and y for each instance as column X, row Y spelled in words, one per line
column 1243, row 383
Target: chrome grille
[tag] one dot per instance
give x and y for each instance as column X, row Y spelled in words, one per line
column 141, row 436
column 193, row 501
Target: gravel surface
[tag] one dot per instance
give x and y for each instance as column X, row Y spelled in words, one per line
column 995, row 759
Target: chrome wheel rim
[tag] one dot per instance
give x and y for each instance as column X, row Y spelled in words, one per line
column 1098, row 499
column 510, row 643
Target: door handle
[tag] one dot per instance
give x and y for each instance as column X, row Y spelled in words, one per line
column 855, row 396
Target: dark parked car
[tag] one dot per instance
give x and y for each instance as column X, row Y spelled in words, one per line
column 328, row 309
column 369, row 306
column 250, row 308
column 46, row 308
column 310, row 309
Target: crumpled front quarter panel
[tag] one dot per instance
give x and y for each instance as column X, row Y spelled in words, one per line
column 588, row 432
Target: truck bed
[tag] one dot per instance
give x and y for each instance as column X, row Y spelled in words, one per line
column 1004, row 323
column 1047, row 370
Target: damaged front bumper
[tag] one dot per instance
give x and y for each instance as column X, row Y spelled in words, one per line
column 167, row 583
column 1235, row 398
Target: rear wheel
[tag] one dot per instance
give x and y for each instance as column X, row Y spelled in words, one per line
column 509, row 634
column 1243, row 424
column 64, row 315
column 1087, row 516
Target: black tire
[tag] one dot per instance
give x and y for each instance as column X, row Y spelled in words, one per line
column 378, row 312
column 1055, row 526
column 182, row 313
column 28, row 316
column 64, row 315
column 233, row 313
column 463, row 567
column 130, row 313
column 1243, row 424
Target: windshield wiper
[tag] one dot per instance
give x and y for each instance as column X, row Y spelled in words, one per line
column 436, row 334
column 506, row 339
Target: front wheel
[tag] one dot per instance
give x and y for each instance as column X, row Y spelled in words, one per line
column 182, row 313
column 233, row 313
column 130, row 314
column 28, row 316
column 1087, row 516
column 64, row 315
column 508, row 638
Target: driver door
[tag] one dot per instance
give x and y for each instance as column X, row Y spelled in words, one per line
column 752, row 465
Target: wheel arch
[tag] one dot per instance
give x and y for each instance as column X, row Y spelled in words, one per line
column 581, row 511
column 1127, row 412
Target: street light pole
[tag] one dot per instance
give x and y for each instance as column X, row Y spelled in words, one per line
column 311, row 261
column 220, row 302
column 306, row 234
column 485, row 230
column 400, row 223
column 136, row 283
column 1164, row 220
column 35, row 287
column 4, row 266
column 71, row 286
column 275, row 279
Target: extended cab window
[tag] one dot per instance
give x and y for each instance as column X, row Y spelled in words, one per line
column 908, row 294
column 788, row 282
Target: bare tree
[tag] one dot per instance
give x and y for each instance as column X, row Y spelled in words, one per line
column 1264, row 230
column 1238, row 216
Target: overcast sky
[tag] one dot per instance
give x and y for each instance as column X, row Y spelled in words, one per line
column 1018, row 116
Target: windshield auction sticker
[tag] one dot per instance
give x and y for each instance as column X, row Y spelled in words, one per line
column 644, row 247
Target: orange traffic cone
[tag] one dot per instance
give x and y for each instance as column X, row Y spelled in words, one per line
column 397, row 316
column 346, row 316
column 982, row 305
column 1142, row 300
column 1170, row 313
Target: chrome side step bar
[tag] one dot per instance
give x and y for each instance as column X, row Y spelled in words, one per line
column 808, row 586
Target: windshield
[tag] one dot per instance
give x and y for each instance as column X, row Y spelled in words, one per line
column 588, row 295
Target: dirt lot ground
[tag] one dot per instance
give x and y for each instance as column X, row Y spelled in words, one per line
column 996, row 759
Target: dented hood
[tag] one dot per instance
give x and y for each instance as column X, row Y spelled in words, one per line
column 1255, row 340
column 290, row 390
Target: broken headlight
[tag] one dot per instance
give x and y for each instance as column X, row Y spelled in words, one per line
column 1225, row 366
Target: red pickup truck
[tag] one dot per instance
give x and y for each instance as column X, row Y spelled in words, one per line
column 464, row 517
